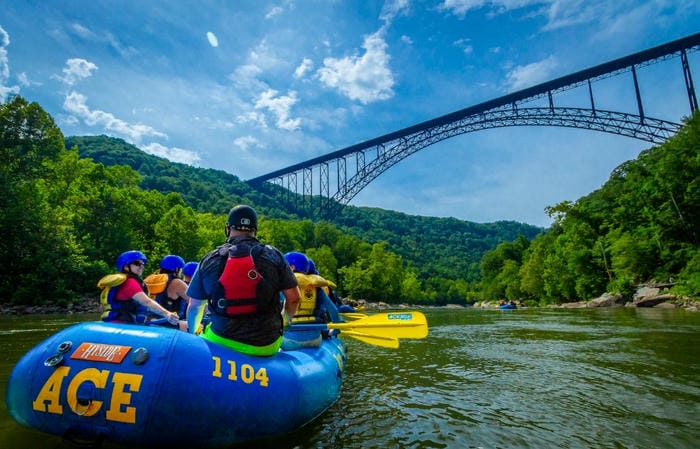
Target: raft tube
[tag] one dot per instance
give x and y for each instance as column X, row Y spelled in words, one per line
column 160, row 387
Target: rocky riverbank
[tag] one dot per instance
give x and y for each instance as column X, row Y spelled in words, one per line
column 652, row 295
column 86, row 305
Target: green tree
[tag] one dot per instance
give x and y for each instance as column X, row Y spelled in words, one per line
column 177, row 232
column 531, row 272
column 499, row 269
column 411, row 289
column 377, row 277
column 32, row 232
column 325, row 261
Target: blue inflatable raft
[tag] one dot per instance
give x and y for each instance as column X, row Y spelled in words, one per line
column 158, row 387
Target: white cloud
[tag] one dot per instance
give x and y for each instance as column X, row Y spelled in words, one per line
column 24, row 79
column 267, row 57
column 5, row 67
column 305, row 66
column 365, row 78
column 393, row 8
column 75, row 70
column 213, row 40
column 125, row 51
column 253, row 117
column 280, row 107
column 564, row 13
column 69, row 120
column 465, row 45
column 75, row 103
column 461, row 7
column 246, row 142
column 245, row 78
column 250, row 156
column 173, row 154
column 82, row 31
column 275, row 10
column 531, row 74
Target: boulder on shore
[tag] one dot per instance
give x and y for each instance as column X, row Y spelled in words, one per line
column 651, row 295
column 652, row 300
column 607, row 300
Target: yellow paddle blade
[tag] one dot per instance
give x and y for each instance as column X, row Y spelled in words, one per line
column 376, row 340
column 394, row 324
column 352, row 315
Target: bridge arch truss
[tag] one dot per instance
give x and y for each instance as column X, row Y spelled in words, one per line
column 330, row 182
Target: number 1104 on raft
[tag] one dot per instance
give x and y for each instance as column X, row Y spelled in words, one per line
column 245, row 372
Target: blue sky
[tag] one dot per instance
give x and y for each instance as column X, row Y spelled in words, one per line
column 253, row 86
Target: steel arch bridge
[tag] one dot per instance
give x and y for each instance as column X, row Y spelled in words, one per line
column 356, row 166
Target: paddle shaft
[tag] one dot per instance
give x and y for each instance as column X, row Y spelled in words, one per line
column 393, row 325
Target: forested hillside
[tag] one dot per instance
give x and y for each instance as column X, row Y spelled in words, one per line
column 439, row 248
column 203, row 189
column 66, row 213
column 641, row 226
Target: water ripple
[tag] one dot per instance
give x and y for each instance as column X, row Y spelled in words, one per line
column 529, row 379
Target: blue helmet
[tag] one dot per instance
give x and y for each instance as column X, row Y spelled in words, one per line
column 297, row 261
column 129, row 257
column 190, row 268
column 172, row 262
column 312, row 267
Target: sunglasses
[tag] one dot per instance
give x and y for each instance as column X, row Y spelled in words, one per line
column 138, row 263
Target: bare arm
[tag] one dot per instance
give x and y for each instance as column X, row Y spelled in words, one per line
column 195, row 312
column 178, row 288
column 291, row 303
column 153, row 306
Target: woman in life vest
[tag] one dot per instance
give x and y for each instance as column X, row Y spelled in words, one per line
column 315, row 304
column 174, row 296
column 131, row 303
column 299, row 264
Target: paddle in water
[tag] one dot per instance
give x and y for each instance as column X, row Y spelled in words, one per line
column 382, row 329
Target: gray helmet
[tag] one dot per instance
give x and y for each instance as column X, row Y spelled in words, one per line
column 243, row 218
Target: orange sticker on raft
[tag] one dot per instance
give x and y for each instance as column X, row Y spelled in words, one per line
column 97, row 352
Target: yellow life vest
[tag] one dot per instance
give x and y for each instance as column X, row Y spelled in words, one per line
column 308, row 283
column 109, row 285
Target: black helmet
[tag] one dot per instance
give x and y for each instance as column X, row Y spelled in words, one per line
column 243, row 218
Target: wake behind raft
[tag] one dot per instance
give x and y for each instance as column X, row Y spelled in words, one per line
column 156, row 387
column 152, row 386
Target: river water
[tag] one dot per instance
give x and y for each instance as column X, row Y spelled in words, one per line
column 538, row 378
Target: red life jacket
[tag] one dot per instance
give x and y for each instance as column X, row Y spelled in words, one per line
column 240, row 280
column 242, row 288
